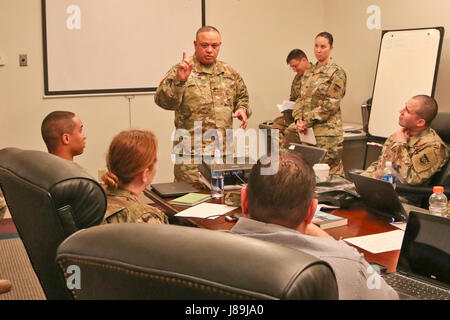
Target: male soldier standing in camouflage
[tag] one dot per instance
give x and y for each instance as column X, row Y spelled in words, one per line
column 322, row 88
column 298, row 61
column 203, row 89
column 415, row 150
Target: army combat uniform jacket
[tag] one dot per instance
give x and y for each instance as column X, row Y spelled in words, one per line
column 124, row 207
column 415, row 161
column 211, row 94
column 319, row 105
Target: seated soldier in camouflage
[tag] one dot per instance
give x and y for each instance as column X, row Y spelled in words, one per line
column 298, row 61
column 415, row 150
column 63, row 134
column 131, row 163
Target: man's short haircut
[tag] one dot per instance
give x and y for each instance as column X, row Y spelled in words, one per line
column 296, row 54
column 326, row 35
column 282, row 198
column 428, row 108
column 54, row 125
column 206, row 29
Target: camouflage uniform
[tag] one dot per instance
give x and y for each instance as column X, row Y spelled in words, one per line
column 322, row 89
column 415, row 161
column 125, row 207
column 283, row 121
column 211, row 94
column 2, row 206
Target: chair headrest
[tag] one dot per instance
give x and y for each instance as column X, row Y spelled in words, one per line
column 441, row 124
column 49, row 198
column 175, row 262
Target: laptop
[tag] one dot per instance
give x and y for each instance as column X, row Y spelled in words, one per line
column 423, row 268
column 172, row 189
column 380, row 198
column 312, row 155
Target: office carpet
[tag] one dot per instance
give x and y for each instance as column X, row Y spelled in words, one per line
column 16, row 267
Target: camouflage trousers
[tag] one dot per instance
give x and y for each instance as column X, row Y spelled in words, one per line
column 333, row 144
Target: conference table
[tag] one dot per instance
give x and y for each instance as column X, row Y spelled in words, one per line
column 360, row 223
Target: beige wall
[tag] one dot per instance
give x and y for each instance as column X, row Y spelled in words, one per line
column 256, row 34
column 356, row 47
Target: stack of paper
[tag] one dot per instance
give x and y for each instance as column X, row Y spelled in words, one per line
column 286, row 105
column 380, row 242
column 206, row 210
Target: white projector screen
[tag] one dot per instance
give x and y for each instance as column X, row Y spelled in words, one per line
column 408, row 64
column 115, row 46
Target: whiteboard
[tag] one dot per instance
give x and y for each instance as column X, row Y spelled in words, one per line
column 115, row 46
column 408, row 63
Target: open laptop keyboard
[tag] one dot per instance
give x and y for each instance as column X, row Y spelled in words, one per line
column 415, row 288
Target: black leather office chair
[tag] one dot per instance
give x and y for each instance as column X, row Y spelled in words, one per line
column 49, row 199
column 140, row 261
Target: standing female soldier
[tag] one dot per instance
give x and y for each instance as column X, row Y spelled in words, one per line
column 323, row 87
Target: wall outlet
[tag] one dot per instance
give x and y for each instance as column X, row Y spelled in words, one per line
column 23, row 60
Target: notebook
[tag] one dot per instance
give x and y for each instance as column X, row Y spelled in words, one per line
column 380, row 198
column 423, row 268
column 312, row 155
column 172, row 189
column 191, row 199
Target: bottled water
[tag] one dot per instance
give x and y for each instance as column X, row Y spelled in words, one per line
column 216, row 184
column 389, row 174
column 216, row 177
column 438, row 202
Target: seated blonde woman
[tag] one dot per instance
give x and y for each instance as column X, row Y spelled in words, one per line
column 131, row 163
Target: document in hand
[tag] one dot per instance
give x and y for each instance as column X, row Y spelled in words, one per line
column 309, row 137
column 286, row 105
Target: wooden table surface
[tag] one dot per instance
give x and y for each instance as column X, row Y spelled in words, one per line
column 360, row 223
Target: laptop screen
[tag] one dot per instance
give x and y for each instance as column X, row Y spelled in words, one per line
column 312, row 155
column 425, row 251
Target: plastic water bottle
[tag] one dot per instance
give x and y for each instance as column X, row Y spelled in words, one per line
column 216, row 178
column 389, row 174
column 216, row 184
column 438, row 202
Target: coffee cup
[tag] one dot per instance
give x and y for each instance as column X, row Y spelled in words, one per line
column 322, row 172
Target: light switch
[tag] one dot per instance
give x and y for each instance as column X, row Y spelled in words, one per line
column 2, row 60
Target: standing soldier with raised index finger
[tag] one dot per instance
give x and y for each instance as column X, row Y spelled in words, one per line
column 203, row 89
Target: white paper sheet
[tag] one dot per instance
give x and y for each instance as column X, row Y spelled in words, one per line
column 205, row 210
column 309, row 137
column 287, row 105
column 380, row 242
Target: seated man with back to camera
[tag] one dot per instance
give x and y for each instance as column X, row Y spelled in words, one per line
column 279, row 208
column 415, row 150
